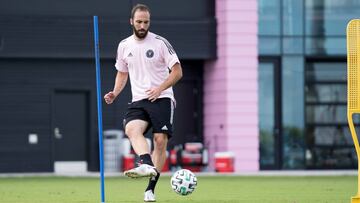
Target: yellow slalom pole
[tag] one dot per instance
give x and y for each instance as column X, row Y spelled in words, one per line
column 353, row 86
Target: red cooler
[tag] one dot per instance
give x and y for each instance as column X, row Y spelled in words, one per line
column 224, row 162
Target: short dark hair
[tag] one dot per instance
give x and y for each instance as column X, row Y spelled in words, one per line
column 141, row 7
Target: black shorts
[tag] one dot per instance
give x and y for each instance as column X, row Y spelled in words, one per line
column 159, row 114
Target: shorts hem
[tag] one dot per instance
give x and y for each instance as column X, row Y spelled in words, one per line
column 169, row 135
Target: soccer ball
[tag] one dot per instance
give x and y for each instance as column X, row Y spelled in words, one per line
column 183, row 182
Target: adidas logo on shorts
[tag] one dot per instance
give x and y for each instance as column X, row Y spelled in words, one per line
column 164, row 128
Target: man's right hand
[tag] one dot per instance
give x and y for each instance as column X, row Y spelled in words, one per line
column 109, row 97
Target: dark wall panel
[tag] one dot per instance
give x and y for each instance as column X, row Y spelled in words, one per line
column 37, row 37
column 173, row 9
column 26, row 89
column 65, row 7
column 65, row 30
column 188, row 116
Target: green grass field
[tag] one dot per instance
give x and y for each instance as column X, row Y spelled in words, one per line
column 257, row 189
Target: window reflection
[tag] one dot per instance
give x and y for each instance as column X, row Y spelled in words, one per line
column 326, row 93
column 328, row 140
column 329, row 17
column 269, row 45
column 293, row 45
column 292, row 17
column 330, row 71
column 266, row 113
column 331, row 135
column 269, row 17
column 330, row 147
column 322, row 113
column 293, row 156
column 325, row 45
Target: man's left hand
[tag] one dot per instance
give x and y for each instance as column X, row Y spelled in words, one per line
column 153, row 93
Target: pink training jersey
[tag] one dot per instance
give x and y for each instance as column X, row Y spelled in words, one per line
column 148, row 62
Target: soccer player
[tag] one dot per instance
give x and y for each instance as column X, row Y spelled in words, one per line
column 153, row 67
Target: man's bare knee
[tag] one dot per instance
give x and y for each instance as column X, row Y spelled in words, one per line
column 130, row 131
column 135, row 127
column 160, row 142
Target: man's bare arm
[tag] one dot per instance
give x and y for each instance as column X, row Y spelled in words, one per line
column 120, row 82
column 174, row 77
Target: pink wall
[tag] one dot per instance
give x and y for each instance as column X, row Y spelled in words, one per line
column 231, row 86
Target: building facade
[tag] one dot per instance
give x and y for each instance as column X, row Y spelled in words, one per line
column 302, row 84
column 278, row 101
column 231, row 86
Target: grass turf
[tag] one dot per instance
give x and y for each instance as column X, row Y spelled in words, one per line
column 217, row 189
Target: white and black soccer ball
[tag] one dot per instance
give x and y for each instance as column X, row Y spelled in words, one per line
column 183, row 182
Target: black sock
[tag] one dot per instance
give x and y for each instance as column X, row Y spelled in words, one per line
column 146, row 159
column 152, row 182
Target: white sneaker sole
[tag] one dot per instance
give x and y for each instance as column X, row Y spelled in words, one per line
column 134, row 174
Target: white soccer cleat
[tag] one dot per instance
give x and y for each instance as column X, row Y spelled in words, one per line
column 149, row 196
column 143, row 170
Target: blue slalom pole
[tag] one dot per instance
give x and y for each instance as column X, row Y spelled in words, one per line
column 99, row 108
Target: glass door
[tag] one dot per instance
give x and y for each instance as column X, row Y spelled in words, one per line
column 328, row 140
column 270, row 114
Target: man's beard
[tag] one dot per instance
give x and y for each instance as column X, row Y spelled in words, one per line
column 141, row 34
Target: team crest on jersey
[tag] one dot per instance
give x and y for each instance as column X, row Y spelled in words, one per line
column 149, row 53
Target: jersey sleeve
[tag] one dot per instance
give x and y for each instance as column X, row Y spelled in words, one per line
column 169, row 53
column 120, row 63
